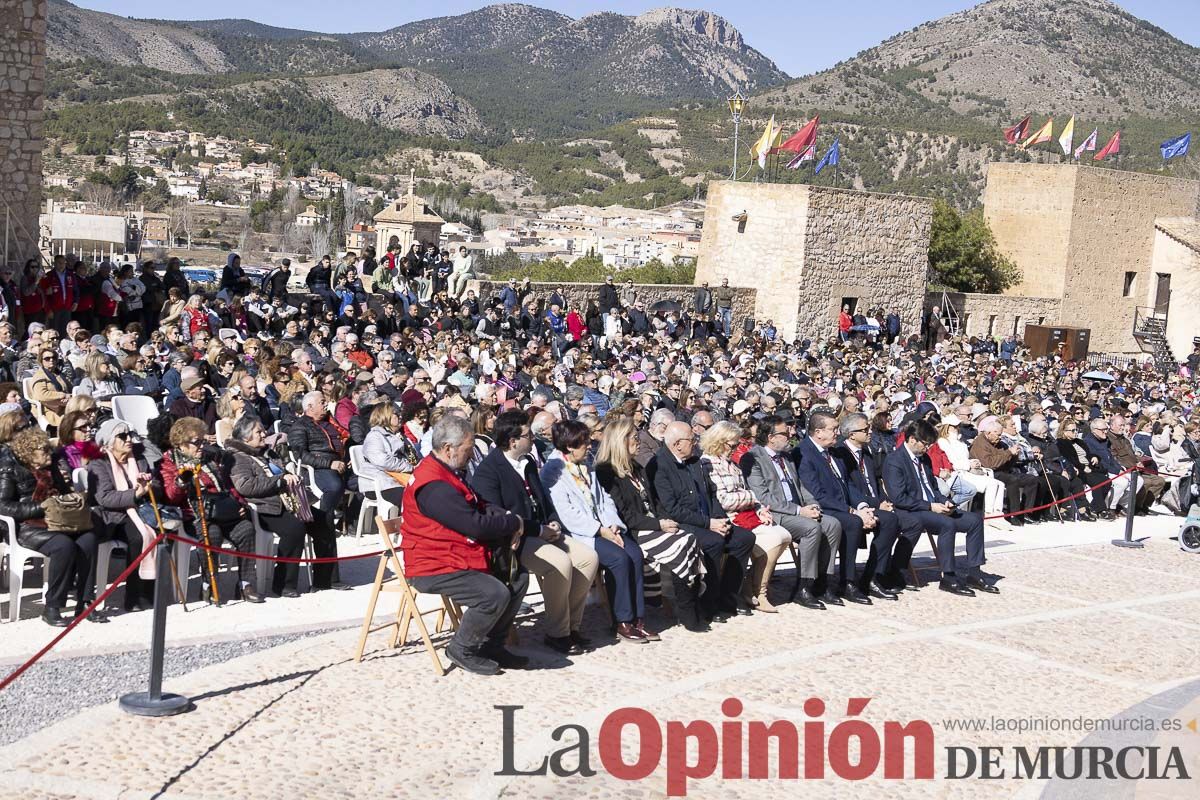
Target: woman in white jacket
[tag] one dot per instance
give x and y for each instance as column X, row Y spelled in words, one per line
column 970, row 470
column 384, row 453
column 588, row 513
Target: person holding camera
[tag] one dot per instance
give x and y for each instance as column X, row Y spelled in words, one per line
column 224, row 515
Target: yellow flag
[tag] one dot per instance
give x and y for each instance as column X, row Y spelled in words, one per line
column 1065, row 139
column 1044, row 134
column 770, row 138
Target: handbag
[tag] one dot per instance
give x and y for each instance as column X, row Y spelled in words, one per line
column 68, row 512
column 222, row 509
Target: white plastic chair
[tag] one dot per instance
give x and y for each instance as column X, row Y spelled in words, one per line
column 369, row 488
column 136, row 410
column 17, row 558
column 265, row 544
column 104, row 550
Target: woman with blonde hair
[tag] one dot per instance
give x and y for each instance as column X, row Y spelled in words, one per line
column 100, row 381
column 669, row 550
column 718, row 443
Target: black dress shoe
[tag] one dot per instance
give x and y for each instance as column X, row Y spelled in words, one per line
column 291, row 594
column 340, row 586
column 876, row 589
column 852, row 594
column 830, row 598
column 954, row 587
column 53, row 618
column 471, row 660
column 805, row 598
column 697, row 627
column 98, row 616
column 564, row 645
column 720, row 617
column 505, row 657
column 743, row 608
column 1107, row 515
column 580, row 641
column 979, row 584
column 251, row 595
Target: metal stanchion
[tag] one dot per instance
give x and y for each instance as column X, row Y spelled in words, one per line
column 154, row 703
column 1130, row 508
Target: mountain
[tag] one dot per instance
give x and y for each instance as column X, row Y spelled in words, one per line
column 1005, row 58
column 401, row 99
column 528, row 71
column 74, row 33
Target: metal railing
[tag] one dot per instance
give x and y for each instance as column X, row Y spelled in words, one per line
column 1148, row 318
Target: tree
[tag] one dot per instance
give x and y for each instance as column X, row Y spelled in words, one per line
column 101, row 195
column 183, row 220
column 963, row 254
column 202, row 192
column 321, row 240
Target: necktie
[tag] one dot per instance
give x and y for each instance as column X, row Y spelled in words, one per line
column 787, row 478
column 862, row 466
column 925, row 488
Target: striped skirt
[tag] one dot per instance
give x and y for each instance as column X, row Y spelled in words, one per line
column 678, row 553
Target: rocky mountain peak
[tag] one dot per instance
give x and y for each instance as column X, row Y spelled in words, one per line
column 704, row 23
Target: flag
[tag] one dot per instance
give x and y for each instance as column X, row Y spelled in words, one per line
column 1111, row 149
column 1065, row 138
column 1017, row 132
column 801, row 139
column 1088, row 144
column 765, row 142
column 1044, row 134
column 809, row 154
column 1178, row 146
column 831, row 157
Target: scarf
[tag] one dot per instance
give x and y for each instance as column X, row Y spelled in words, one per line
column 125, row 478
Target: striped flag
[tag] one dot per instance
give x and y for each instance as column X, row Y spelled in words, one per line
column 809, row 154
column 1044, row 134
column 1087, row 145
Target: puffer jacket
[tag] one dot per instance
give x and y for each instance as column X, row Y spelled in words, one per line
column 313, row 446
column 16, row 500
column 253, row 480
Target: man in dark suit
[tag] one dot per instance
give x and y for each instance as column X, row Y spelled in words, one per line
column 820, row 475
column 893, row 326
column 685, row 494
column 908, row 478
column 857, row 463
column 565, row 567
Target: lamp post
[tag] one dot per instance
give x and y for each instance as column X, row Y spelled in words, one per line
column 737, row 104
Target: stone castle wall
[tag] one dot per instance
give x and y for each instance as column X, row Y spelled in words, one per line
column 1029, row 212
column 805, row 248
column 22, row 88
column 580, row 294
column 997, row 315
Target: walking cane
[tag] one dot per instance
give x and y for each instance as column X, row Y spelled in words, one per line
column 179, row 593
column 1046, row 477
column 214, row 592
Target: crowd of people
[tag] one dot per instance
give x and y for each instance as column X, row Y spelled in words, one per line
column 570, row 435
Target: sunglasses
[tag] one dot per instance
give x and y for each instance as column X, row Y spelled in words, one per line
column 196, row 442
column 123, row 436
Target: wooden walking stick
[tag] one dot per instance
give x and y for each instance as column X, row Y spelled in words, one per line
column 213, row 590
column 1046, row 477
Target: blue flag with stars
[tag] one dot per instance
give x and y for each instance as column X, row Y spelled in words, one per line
column 830, row 157
column 1178, row 146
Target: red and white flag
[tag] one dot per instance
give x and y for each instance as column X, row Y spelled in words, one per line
column 1088, row 145
column 809, row 154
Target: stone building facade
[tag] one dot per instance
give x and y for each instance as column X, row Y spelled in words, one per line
column 581, row 294
column 808, row 249
column 1085, row 235
column 22, row 90
column 998, row 315
column 1176, row 253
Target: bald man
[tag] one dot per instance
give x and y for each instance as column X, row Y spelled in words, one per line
column 686, row 494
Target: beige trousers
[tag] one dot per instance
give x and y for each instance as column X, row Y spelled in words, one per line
column 565, row 570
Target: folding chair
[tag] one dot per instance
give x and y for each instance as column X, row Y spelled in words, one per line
column 408, row 612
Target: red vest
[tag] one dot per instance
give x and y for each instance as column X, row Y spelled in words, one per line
column 431, row 548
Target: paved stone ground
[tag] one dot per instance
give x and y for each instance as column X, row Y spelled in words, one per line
column 1082, row 630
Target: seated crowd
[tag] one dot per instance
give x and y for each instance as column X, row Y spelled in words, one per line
column 661, row 454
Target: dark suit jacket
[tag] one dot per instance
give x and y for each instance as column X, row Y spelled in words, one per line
column 902, row 484
column 828, row 488
column 856, row 479
column 675, row 489
column 496, row 482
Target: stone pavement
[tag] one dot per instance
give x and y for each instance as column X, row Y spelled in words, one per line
column 1081, row 630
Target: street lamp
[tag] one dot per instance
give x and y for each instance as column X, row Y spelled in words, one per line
column 737, row 104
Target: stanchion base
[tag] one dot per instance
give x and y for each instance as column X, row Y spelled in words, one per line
column 141, row 704
column 1131, row 543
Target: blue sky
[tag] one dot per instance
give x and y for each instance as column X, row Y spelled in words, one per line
column 800, row 37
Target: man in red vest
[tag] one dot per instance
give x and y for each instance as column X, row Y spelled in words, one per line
column 455, row 544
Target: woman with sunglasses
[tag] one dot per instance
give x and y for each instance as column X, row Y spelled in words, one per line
column 49, row 388
column 119, row 481
column 76, row 445
column 188, row 457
